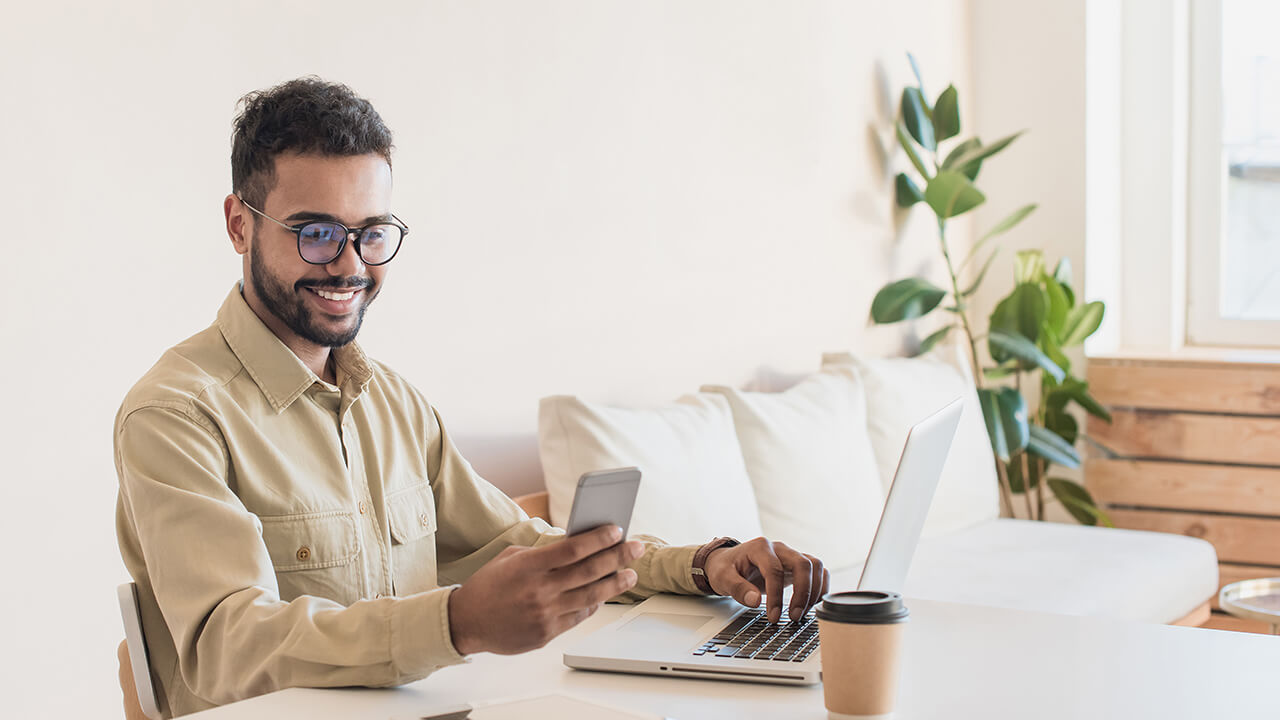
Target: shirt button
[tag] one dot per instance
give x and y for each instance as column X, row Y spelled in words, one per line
column 377, row 596
column 426, row 519
column 363, row 507
column 304, row 553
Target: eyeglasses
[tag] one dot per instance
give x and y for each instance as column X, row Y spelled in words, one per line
column 320, row 242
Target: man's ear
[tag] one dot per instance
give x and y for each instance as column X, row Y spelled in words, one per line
column 238, row 220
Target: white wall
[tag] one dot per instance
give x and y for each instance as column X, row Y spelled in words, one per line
column 621, row 200
column 1029, row 74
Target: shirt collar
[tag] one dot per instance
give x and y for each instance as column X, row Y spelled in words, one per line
column 281, row 375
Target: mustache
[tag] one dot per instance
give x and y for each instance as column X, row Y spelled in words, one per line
column 354, row 282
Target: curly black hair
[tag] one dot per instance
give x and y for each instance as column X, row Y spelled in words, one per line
column 306, row 115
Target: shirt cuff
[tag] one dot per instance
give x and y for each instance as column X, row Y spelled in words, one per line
column 672, row 569
column 420, row 639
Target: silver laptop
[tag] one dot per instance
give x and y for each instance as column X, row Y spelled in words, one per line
column 718, row 638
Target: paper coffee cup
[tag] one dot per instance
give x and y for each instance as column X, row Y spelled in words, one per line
column 860, row 639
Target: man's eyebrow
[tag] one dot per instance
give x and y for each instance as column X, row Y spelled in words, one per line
column 309, row 215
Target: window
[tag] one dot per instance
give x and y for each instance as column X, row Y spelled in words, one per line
column 1234, row 174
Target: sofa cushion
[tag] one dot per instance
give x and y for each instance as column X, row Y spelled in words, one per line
column 904, row 391
column 811, row 464
column 1060, row 568
column 694, row 485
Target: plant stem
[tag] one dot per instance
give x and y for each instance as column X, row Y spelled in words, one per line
column 964, row 316
column 1002, row 473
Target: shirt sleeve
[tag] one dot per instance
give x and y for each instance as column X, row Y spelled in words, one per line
column 214, row 583
column 476, row 521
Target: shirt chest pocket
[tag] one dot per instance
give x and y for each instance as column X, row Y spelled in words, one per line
column 411, row 514
column 314, row 554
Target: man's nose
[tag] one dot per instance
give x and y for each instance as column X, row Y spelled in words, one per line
column 348, row 261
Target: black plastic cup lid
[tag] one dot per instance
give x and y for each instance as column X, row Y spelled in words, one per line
column 863, row 607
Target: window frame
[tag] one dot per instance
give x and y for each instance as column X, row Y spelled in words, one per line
column 1206, row 195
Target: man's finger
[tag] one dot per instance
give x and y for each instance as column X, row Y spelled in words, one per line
column 826, row 582
column 597, row 592
column 602, row 564
column 816, row 590
column 572, row 549
column 745, row 592
column 771, row 569
column 801, row 577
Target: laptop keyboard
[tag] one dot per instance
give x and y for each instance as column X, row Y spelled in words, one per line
column 750, row 636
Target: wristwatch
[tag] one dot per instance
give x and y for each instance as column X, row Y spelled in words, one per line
column 700, row 562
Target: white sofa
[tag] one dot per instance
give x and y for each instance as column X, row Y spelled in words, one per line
column 811, row 464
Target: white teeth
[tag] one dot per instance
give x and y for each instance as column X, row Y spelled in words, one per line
column 334, row 296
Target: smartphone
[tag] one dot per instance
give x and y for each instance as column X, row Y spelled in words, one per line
column 604, row 497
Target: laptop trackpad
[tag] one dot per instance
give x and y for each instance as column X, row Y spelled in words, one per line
column 665, row 625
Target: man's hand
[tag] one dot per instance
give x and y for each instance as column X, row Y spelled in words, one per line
column 758, row 565
column 525, row 596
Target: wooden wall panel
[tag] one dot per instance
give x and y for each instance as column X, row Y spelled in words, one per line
column 1185, row 486
column 1231, row 439
column 1200, row 386
column 1197, row 446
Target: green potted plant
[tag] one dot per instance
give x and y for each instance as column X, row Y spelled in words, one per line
column 1027, row 332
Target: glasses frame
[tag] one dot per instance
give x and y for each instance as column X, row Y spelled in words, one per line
column 347, row 233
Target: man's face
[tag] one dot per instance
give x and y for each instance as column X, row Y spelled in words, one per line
column 354, row 191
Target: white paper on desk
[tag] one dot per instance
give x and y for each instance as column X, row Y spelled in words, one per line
column 552, row 707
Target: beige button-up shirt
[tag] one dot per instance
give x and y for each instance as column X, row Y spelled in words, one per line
column 287, row 532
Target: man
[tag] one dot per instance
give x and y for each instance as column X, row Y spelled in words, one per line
column 295, row 513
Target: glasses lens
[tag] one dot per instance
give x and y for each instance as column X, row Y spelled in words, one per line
column 319, row 242
column 379, row 243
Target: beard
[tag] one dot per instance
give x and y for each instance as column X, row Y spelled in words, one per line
column 291, row 308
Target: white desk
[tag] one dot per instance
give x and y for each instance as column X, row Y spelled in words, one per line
column 961, row 661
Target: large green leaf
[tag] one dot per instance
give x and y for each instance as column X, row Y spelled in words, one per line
column 905, row 299
column 970, row 170
column 1048, row 445
column 916, row 118
column 1005, row 344
column 1082, row 322
column 1063, row 424
column 1021, row 312
column 946, row 114
column 950, row 193
column 1049, row 345
column 981, row 274
column 1005, row 412
column 1059, row 305
column 906, row 192
column 934, row 338
column 910, row 149
column 1078, row 502
column 983, row 152
column 1013, row 471
column 1077, row 390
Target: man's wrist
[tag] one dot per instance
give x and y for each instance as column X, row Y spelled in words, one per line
column 700, row 558
column 462, row 641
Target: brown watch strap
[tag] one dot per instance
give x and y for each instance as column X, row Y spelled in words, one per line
column 700, row 562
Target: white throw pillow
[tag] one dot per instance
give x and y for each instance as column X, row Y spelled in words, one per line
column 812, row 466
column 694, row 485
column 904, row 391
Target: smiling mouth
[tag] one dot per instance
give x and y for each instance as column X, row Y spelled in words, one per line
column 335, row 296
